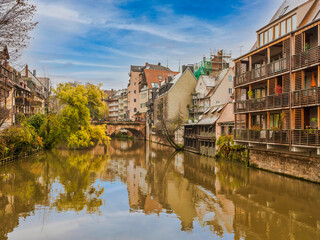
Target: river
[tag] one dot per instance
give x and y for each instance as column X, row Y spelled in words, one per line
column 138, row 190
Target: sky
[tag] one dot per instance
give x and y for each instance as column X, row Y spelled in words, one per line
column 97, row 41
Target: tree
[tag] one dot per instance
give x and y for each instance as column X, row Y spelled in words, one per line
column 16, row 23
column 78, row 100
column 4, row 115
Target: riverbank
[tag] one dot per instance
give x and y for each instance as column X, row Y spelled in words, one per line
column 281, row 163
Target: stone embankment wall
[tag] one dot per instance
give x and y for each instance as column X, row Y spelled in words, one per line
column 286, row 163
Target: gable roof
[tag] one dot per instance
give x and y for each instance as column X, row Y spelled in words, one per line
column 212, row 115
column 208, row 81
column 152, row 76
column 220, row 78
column 286, row 7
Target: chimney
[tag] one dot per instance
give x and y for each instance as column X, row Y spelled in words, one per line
column 159, row 64
column 147, row 64
column 34, row 73
column 27, row 70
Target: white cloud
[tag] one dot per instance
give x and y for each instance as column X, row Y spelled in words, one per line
column 88, row 64
column 62, row 13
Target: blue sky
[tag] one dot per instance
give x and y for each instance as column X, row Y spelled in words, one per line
column 97, row 41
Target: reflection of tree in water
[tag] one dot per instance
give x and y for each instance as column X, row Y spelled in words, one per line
column 77, row 172
column 23, row 185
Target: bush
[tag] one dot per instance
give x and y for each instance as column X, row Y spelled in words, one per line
column 21, row 139
column 228, row 150
column 36, row 121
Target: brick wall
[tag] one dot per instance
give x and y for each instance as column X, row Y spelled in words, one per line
column 286, row 163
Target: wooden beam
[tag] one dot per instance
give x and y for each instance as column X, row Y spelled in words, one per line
column 268, row 120
column 318, row 117
column 293, row 119
column 318, row 75
column 250, row 121
column 268, row 55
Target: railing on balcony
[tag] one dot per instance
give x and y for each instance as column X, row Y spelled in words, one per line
column 278, row 101
column 270, row 69
column 306, row 97
column 256, row 104
column 306, row 137
column 263, row 136
column 306, row 58
column 278, row 66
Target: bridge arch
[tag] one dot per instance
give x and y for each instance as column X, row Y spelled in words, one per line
column 138, row 129
column 135, row 132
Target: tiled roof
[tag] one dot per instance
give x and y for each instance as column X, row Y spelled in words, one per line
column 156, row 76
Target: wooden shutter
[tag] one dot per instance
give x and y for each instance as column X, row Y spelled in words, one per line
column 286, row 83
column 298, row 118
column 298, row 43
column 286, row 48
column 298, row 80
column 272, row 86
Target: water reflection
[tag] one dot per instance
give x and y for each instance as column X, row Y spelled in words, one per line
column 186, row 195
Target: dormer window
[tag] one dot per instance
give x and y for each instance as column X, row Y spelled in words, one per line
column 284, row 11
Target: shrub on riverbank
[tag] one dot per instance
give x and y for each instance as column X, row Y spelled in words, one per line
column 19, row 139
column 228, row 150
column 68, row 126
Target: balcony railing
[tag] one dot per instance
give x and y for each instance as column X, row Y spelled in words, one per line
column 263, row 136
column 256, row 74
column 306, row 137
column 257, row 104
column 306, row 58
column 306, row 97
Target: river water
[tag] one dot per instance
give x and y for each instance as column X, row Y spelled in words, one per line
column 137, row 190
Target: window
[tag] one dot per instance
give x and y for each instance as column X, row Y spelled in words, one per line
column 135, row 109
column 160, row 77
column 274, row 120
column 261, row 39
column 135, row 100
column 283, row 28
column 230, row 90
column 154, row 85
column 289, row 25
column 135, row 83
column 294, row 22
column 270, row 33
column 135, row 91
column 276, row 31
column 266, row 37
column 217, row 102
column 284, row 11
column 230, row 78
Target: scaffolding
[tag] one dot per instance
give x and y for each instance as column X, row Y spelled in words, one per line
column 219, row 60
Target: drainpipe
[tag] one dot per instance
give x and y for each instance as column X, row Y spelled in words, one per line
column 290, row 95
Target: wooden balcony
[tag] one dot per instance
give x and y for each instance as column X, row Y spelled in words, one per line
column 306, row 137
column 303, row 137
column 265, row 103
column 306, row 58
column 271, row 69
column 281, row 137
column 307, row 97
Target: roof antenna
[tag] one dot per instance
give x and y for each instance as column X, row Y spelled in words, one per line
column 241, row 47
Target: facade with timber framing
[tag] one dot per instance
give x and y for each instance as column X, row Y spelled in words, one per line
column 277, row 84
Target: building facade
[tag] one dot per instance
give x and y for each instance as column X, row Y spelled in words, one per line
column 277, row 83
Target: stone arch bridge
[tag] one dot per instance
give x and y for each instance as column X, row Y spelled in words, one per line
column 138, row 129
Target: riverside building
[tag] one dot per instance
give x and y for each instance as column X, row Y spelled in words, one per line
column 277, row 84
